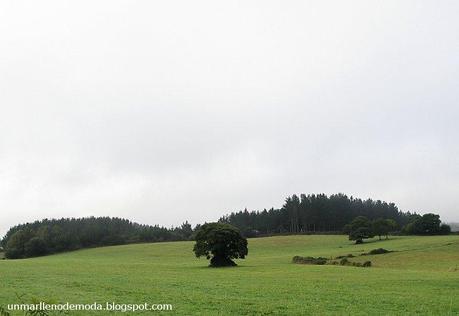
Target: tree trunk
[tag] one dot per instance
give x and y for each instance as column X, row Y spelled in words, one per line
column 219, row 261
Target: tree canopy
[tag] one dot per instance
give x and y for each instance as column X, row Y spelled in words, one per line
column 427, row 224
column 359, row 229
column 220, row 243
column 383, row 226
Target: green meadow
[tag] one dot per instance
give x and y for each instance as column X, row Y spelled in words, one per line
column 421, row 278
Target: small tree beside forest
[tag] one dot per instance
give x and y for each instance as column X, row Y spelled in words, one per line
column 382, row 227
column 359, row 229
column 220, row 243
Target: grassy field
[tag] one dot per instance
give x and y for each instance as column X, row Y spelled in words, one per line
column 421, row 277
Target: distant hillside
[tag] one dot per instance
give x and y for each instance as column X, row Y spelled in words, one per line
column 299, row 214
column 58, row 235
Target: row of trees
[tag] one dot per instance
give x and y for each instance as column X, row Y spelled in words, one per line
column 306, row 213
column 427, row 224
column 52, row 236
column 362, row 228
column 314, row 213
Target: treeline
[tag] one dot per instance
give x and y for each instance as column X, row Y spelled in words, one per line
column 428, row 224
column 314, row 213
column 58, row 235
column 299, row 214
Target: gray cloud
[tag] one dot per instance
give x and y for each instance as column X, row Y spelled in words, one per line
column 187, row 110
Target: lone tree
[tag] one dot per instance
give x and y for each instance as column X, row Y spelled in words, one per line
column 220, row 243
column 359, row 229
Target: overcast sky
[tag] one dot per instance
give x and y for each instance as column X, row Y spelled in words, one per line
column 166, row 111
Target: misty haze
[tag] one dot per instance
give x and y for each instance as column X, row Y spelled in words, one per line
column 135, row 134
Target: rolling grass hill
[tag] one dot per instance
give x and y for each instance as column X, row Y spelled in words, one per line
column 420, row 277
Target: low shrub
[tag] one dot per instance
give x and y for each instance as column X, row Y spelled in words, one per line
column 344, row 262
column 321, row 261
column 309, row 260
column 379, row 251
column 346, row 256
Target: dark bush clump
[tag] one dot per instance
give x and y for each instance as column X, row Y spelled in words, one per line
column 309, row 260
column 346, row 256
column 378, row 251
column 344, row 262
column 320, row 261
column 445, row 229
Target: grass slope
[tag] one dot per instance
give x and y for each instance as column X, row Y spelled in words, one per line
column 422, row 277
